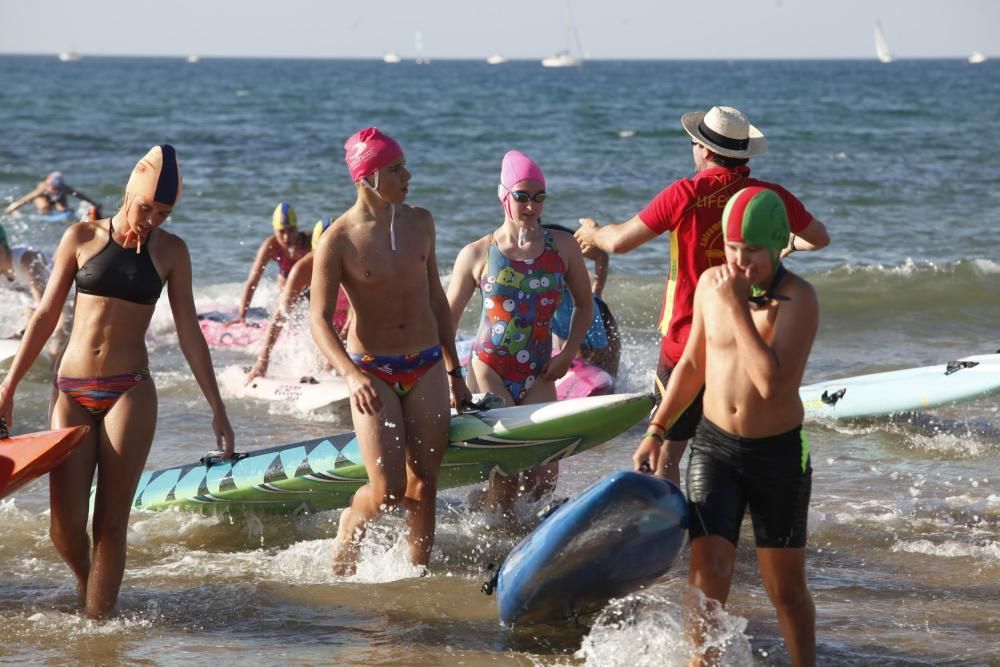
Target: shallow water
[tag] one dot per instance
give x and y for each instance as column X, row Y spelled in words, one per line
column 904, row 548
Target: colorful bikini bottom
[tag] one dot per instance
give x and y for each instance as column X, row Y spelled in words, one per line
column 399, row 371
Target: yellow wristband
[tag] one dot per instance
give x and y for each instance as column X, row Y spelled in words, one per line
column 652, row 434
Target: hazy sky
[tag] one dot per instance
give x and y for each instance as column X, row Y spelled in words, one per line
column 516, row 28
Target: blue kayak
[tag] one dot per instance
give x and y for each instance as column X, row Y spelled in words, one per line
column 616, row 537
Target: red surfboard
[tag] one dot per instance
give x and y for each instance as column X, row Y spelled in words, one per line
column 27, row 457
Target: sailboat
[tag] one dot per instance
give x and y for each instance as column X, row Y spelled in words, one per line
column 977, row 57
column 391, row 58
column 565, row 58
column 496, row 59
column 69, row 56
column 418, row 44
column 881, row 48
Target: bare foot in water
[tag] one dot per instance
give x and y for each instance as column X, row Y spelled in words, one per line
column 345, row 549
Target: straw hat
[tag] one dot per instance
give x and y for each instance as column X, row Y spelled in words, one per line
column 725, row 131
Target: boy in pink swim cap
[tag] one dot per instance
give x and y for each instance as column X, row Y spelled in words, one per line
column 392, row 358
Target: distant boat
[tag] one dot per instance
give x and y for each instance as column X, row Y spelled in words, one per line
column 565, row 57
column 418, row 45
column 496, row 59
column 69, row 56
column 391, row 58
column 977, row 57
column 192, row 58
column 881, row 47
column 561, row 59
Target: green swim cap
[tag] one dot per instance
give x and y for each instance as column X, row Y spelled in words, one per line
column 757, row 216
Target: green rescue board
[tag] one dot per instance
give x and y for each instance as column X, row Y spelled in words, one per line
column 323, row 474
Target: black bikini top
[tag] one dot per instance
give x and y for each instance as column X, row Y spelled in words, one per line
column 120, row 273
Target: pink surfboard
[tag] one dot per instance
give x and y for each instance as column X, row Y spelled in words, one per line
column 584, row 379
column 218, row 332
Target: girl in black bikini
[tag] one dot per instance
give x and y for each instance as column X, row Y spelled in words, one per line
column 120, row 266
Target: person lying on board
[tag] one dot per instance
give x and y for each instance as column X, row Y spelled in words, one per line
column 286, row 246
column 722, row 143
column 296, row 287
column 383, row 253
column 120, row 266
column 753, row 328
column 602, row 346
column 52, row 195
column 521, row 269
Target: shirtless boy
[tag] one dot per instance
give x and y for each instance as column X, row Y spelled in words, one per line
column 754, row 325
column 382, row 251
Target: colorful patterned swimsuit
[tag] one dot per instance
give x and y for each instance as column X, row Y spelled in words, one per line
column 519, row 300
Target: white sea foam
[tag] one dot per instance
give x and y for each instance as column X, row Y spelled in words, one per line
column 988, row 552
column 647, row 629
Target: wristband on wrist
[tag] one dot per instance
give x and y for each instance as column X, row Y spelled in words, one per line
column 657, row 425
column 457, row 372
column 654, row 435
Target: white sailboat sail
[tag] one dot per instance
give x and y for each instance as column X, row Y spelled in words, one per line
column 566, row 58
column 977, row 57
column 881, row 47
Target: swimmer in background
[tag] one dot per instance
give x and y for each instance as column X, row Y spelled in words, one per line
column 27, row 271
column 603, row 345
column 286, row 246
column 52, row 196
column 24, row 269
column 296, row 287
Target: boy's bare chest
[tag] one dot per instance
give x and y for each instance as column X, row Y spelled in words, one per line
column 375, row 265
column 720, row 329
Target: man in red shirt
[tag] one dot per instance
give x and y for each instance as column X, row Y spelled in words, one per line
column 722, row 142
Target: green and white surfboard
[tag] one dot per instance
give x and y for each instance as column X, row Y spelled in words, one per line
column 323, row 473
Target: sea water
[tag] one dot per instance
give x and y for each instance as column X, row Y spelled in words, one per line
column 900, row 163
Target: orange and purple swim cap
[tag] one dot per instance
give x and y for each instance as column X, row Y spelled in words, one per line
column 157, row 176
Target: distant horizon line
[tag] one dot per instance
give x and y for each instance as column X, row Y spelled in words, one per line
column 511, row 59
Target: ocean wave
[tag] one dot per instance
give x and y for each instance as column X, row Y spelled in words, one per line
column 910, row 267
column 989, row 552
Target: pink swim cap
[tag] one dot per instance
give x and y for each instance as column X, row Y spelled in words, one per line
column 516, row 167
column 368, row 150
